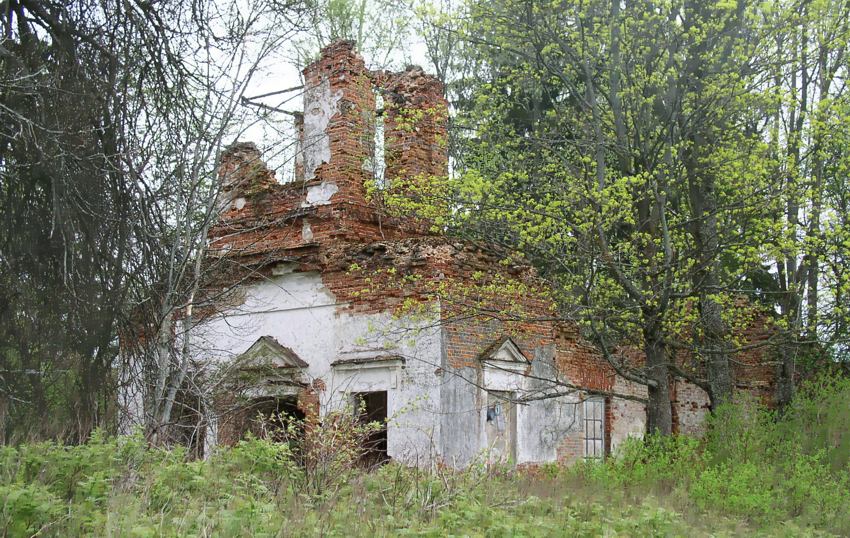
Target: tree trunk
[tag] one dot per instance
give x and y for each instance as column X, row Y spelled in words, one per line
column 715, row 350
column 713, row 345
column 659, row 416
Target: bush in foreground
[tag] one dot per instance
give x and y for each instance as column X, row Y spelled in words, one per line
column 754, row 464
column 754, row 473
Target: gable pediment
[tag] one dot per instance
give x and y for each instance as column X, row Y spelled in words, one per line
column 267, row 352
column 504, row 352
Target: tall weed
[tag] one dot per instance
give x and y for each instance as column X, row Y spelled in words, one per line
column 755, row 472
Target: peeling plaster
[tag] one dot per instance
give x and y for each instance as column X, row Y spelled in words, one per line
column 306, row 232
column 283, row 269
column 320, row 105
column 320, row 194
column 546, row 423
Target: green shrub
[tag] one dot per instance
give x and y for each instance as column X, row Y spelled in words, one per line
column 754, row 473
column 740, row 488
column 818, row 420
column 765, row 466
column 813, row 490
column 28, row 509
column 656, row 464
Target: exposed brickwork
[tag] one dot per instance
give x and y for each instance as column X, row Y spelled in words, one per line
column 571, row 449
column 263, row 219
column 752, row 368
column 351, row 130
column 236, row 416
column 690, row 407
column 308, row 398
column 467, row 337
column 232, row 422
column 371, row 262
column 415, row 115
column 581, row 362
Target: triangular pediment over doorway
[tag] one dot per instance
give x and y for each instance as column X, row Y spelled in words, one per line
column 504, row 351
column 267, row 352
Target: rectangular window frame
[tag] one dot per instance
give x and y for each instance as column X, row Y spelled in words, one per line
column 593, row 411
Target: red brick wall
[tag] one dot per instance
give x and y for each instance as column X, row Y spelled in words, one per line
column 690, row 408
column 416, row 118
column 571, row 449
column 270, row 216
column 352, row 129
column 580, row 361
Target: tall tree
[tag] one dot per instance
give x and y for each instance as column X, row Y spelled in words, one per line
column 722, row 60
column 808, row 119
column 623, row 148
column 68, row 204
column 380, row 28
column 178, row 170
column 554, row 168
column 111, row 114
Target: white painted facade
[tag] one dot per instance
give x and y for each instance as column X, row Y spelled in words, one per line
column 434, row 413
column 300, row 313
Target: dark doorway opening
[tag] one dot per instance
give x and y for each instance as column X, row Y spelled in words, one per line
column 372, row 407
column 275, row 418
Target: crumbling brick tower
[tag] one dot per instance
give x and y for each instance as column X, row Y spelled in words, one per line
column 325, row 220
column 328, row 200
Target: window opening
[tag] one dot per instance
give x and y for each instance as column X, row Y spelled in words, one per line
column 594, row 428
column 379, row 164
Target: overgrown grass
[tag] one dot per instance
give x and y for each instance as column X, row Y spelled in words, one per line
column 754, row 474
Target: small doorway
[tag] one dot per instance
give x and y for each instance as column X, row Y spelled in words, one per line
column 372, row 407
column 501, row 427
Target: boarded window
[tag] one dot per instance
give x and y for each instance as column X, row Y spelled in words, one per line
column 594, row 428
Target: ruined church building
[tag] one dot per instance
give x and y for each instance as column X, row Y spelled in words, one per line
column 328, row 312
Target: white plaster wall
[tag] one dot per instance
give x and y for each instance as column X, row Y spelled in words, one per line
column 412, row 389
column 550, row 422
column 295, row 309
column 300, row 313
